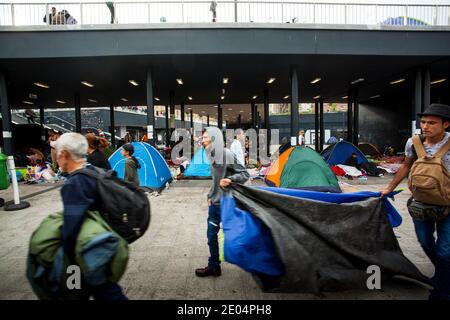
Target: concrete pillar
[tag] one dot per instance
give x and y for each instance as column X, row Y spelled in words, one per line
column 426, row 89
column 6, row 117
column 355, row 118
column 321, row 124
column 417, row 103
column 219, row 116
column 266, row 116
column 42, row 122
column 316, row 126
column 77, row 113
column 192, row 120
column 253, row 110
column 112, row 125
column 207, row 120
column 172, row 110
column 349, row 117
column 239, row 121
column 294, row 106
column 150, row 108
column 167, row 126
column 183, row 125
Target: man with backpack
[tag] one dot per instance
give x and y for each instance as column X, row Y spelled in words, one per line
column 79, row 194
column 427, row 162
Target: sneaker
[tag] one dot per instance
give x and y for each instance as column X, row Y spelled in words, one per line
column 206, row 272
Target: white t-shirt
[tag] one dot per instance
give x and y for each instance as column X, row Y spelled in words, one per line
column 237, row 148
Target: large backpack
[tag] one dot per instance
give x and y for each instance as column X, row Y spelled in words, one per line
column 123, row 205
column 429, row 179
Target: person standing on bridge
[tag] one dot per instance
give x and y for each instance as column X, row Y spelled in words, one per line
column 228, row 171
column 213, row 8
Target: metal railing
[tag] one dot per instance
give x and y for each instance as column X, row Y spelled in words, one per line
column 142, row 12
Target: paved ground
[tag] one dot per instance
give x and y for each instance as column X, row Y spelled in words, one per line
column 162, row 262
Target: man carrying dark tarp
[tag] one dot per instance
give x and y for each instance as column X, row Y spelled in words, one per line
column 225, row 170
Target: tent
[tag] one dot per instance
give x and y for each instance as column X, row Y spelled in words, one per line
column 306, row 241
column 153, row 174
column 341, row 151
column 302, row 167
column 199, row 168
column 369, row 149
column 400, row 21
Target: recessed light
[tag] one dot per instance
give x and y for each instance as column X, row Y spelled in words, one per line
column 438, row 81
column 357, row 81
column 190, row 98
column 397, row 81
column 133, row 82
column 124, row 99
column 156, row 98
column 254, row 97
column 271, row 80
column 87, row 84
column 189, row 108
column 27, row 102
column 315, row 80
column 375, row 96
column 229, row 109
column 225, row 80
column 42, row 85
column 32, row 96
column 241, row 111
column 180, row 81
column 285, row 97
column 92, row 100
column 344, row 97
column 222, row 97
column 203, row 111
column 60, row 101
column 316, row 97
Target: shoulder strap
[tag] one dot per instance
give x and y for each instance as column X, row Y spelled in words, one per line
column 418, row 146
column 87, row 172
column 443, row 150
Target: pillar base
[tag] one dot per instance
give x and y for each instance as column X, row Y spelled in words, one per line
column 10, row 206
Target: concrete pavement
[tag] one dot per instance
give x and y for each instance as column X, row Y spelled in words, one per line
column 162, row 262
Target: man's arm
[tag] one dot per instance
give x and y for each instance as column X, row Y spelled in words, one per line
column 401, row 174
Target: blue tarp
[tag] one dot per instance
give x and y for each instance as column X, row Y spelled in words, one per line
column 248, row 242
column 199, row 166
column 154, row 172
column 341, row 151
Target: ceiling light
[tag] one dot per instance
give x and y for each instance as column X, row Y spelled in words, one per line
column 61, row 102
column 316, row 97
column 222, row 97
column 254, row 97
column 229, row 109
column 27, row 102
column 92, row 100
column 357, row 81
column 124, row 99
column 225, row 80
column 437, row 81
column 133, row 82
column 375, row 96
column 315, row 80
column 344, row 97
column 156, row 98
column 241, row 111
column 33, row 96
column 87, row 84
column 42, row 85
column 271, row 80
column 190, row 98
column 203, row 111
column 397, row 81
column 180, row 81
column 285, row 97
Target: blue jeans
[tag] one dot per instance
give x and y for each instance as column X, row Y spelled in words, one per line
column 211, row 233
column 108, row 291
column 438, row 250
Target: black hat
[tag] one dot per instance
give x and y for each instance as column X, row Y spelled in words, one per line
column 436, row 109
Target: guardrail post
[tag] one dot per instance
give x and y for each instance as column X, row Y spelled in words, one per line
column 235, row 11
column 345, row 14
column 47, row 16
column 13, row 20
column 436, row 15
column 282, row 13
column 182, row 11
column 81, row 13
column 406, row 16
column 314, row 13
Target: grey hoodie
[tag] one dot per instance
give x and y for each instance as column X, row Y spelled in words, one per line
column 230, row 169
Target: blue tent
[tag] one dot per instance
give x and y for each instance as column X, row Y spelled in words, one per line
column 153, row 174
column 400, row 21
column 341, row 151
column 199, row 168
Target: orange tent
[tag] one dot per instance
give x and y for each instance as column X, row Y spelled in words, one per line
column 274, row 174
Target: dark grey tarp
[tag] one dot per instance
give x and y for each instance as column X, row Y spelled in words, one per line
column 326, row 246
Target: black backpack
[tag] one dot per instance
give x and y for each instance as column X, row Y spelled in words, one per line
column 123, row 205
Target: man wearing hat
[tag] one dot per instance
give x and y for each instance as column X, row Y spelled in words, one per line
column 433, row 215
